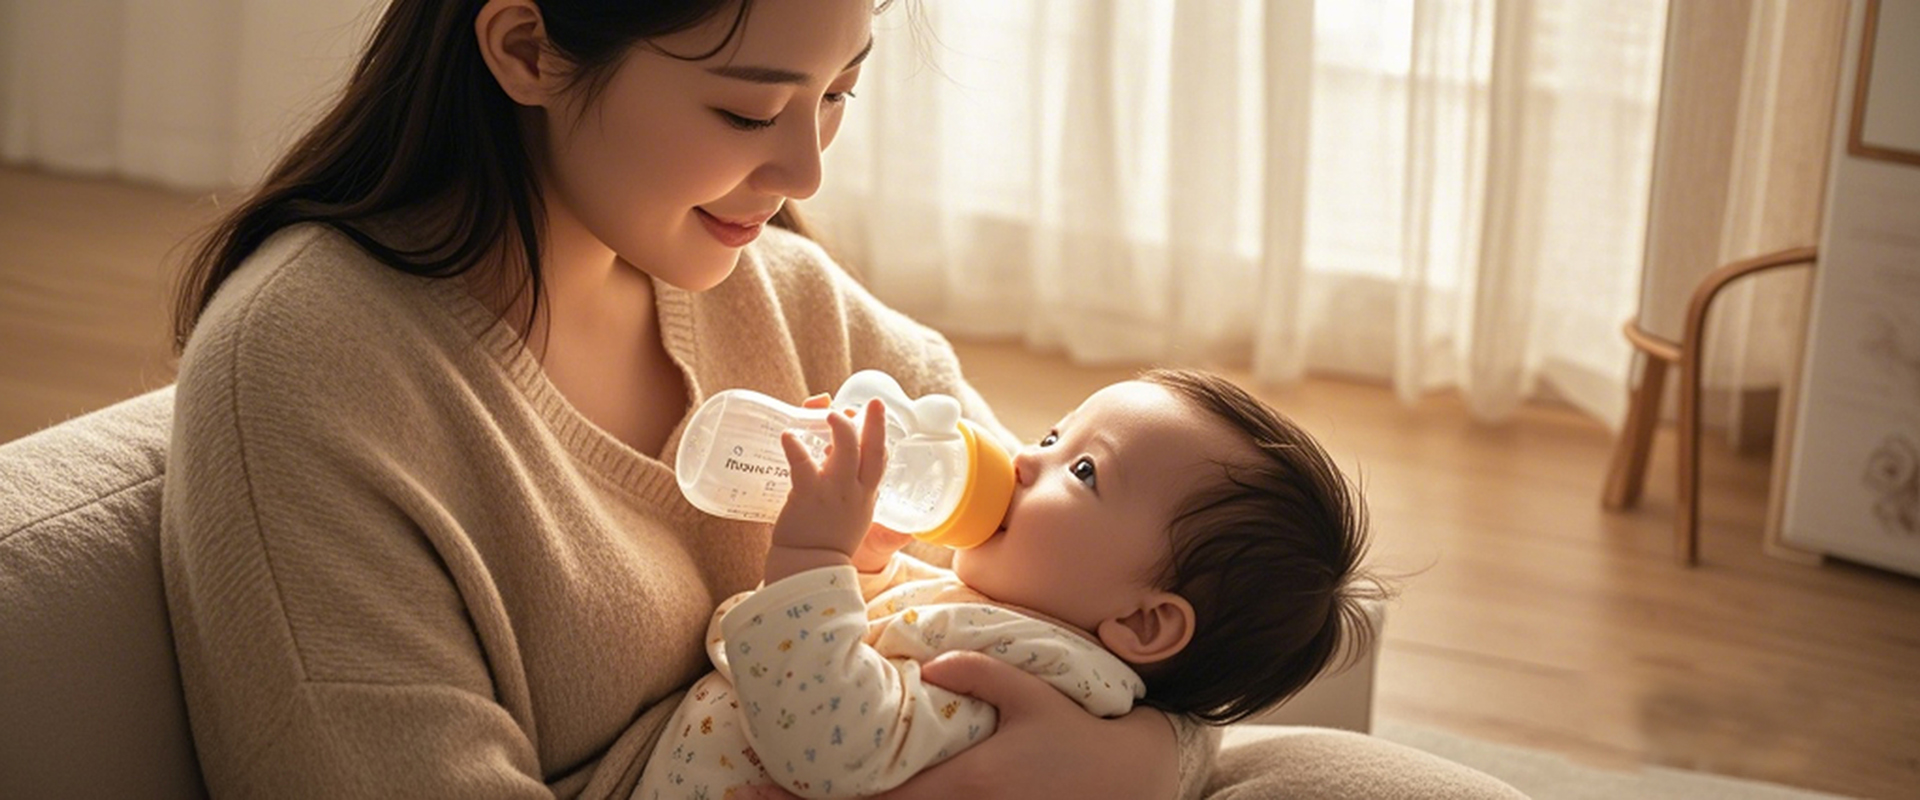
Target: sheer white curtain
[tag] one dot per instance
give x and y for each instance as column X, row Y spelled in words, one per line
column 194, row 93
column 1440, row 193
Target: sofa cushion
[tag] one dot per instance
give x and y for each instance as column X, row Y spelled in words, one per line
column 89, row 688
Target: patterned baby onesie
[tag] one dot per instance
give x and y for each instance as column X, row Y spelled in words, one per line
column 817, row 683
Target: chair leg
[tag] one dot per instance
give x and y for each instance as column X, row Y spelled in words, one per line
column 1692, row 349
column 1628, row 473
column 1687, row 499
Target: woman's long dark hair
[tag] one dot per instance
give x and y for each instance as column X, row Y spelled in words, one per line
column 423, row 125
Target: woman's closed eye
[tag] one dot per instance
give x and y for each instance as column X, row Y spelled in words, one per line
column 747, row 123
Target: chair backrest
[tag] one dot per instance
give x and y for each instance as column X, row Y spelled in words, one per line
column 89, row 688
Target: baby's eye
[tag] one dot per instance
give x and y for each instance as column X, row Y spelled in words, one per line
column 1049, row 439
column 1083, row 469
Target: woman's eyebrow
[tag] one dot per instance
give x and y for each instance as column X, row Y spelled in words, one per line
column 775, row 75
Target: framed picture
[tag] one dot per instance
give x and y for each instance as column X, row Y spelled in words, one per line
column 1886, row 93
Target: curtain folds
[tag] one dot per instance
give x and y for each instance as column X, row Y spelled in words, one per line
column 188, row 93
column 1437, row 193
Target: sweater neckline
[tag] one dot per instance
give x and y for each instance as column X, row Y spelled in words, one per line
column 642, row 474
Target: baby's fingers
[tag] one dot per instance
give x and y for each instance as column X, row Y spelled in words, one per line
column 799, row 462
column 873, row 445
column 843, row 456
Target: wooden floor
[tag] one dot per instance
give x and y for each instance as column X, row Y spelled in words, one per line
column 1535, row 618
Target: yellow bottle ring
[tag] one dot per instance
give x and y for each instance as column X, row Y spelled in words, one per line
column 983, row 504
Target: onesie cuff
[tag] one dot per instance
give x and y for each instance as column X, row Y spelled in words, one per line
column 777, row 597
column 872, row 583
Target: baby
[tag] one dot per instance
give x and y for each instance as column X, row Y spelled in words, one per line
column 1173, row 541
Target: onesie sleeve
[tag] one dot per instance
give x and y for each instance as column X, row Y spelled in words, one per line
column 902, row 568
column 828, row 715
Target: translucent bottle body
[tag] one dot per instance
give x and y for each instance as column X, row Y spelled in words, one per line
column 730, row 462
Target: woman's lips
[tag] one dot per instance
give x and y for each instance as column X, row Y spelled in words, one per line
column 731, row 234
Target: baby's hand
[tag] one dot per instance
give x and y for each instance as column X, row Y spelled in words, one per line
column 831, row 504
column 878, row 548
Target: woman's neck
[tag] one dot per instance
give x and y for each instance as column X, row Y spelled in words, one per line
column 597, row 337
column 587, row 292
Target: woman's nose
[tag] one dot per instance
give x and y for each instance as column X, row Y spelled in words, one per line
column 793, row 170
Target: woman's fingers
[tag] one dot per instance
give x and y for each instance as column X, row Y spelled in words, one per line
column 1006, row 687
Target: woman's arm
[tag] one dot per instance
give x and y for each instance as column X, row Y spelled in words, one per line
column 1048, row 747
column 326, row 647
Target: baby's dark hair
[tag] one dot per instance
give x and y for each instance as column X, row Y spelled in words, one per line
column 1269, row 557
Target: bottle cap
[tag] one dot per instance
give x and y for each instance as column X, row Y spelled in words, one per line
column 983, row 504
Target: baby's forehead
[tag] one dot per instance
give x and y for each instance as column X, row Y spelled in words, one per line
column 1154, row 424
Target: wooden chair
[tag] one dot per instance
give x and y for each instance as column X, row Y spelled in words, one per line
column 1628, row 472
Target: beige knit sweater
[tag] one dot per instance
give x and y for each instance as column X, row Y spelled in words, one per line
column 399, row 563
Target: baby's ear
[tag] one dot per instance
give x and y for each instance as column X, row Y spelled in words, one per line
column 1159, row 629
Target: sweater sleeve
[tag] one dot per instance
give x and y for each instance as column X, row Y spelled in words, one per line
column 828, row 715
column 325, row 648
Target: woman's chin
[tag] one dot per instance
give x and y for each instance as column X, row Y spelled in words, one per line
column 700, row 272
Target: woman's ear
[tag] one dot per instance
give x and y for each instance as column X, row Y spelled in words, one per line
column 513, row 41
column 1159, row 629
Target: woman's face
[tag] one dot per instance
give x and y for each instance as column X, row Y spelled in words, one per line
column 676, row 164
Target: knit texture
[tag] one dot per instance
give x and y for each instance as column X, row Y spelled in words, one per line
column 398, row 562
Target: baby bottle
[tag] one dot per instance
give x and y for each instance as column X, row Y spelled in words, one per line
column 946, row 482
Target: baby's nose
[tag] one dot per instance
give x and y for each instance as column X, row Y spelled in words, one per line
column 1025, row 466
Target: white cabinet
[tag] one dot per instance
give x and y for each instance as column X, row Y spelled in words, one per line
column 1854, row 485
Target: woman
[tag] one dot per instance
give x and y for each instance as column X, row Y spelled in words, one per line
column 421, row 535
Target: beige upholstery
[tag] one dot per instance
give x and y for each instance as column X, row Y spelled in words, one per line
column 89, row 690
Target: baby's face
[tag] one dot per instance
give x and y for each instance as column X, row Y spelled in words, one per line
column 1093, row 499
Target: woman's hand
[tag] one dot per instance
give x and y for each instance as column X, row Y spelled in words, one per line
column 1045, row 745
